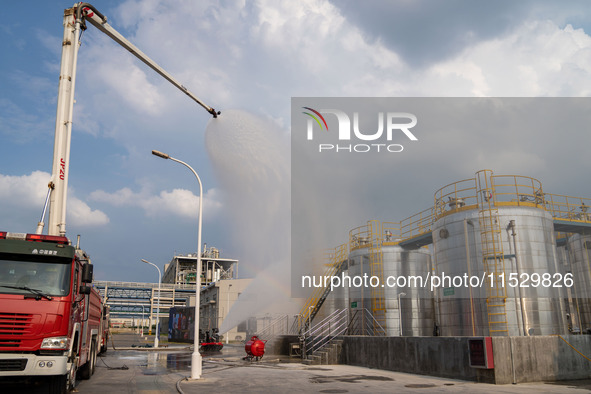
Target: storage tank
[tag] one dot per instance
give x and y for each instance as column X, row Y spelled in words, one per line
column 496, row 231
column 579, row 247
column 416, row 302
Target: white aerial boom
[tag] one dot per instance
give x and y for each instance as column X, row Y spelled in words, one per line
column 74, row 21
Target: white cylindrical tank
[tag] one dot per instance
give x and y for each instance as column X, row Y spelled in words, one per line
column 504, row 229
column 416, row 305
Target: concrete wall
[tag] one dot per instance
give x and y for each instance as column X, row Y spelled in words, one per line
column 280, row 345
column 541, row 358
column 517, row 359
column 436, row 356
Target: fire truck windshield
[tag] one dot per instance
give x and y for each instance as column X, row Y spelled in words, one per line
column 18, row 276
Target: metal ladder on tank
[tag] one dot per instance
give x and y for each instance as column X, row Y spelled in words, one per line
column 376, row 268
column 492, row 255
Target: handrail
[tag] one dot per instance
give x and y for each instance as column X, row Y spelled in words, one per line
column 269, row 332
column 321, row 324
column 334, row 260
column 513, row 190
column 316, row 293
column 417, row 224
column 367, row 320
column 517, row 190
column 146, row 285
column 391, row 232
column 362, row 237
column 359, row 237
column 321, row 341
column 337, row 324
column 294, row 328
column 455, row 196
column 332, row 326
column 567, row 207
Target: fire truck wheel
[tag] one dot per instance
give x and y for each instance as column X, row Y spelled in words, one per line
column 88, row 369
column 58, row 384
column 71, row 376
column 93, row 358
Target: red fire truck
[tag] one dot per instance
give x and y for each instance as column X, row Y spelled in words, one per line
column 50, row 317
column 52, row 322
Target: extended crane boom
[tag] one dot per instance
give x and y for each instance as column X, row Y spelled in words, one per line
column 74, row 21
column 100, row 22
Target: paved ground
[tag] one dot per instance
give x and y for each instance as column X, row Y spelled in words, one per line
column 166, row 371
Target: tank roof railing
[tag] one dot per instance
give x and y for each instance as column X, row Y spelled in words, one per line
column 391, row 233
column 507, row 190
column 517, row 190
column 454, row 197
column 360, row 237
column 569, row 208
column 387, row 233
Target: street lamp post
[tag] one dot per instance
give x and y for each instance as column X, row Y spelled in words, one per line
column 400, row 312
column 228, row 311
column 142, row 322
column 196, row 356
column 156, row 339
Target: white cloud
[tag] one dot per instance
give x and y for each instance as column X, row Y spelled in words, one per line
column 24, row 191
column 80, row 214
column 130, row 83
column 178, row 202
column 28, row 193
column 537, row 59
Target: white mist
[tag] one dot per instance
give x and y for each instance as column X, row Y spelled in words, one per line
column 251, row 158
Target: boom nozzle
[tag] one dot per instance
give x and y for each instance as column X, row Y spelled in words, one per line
column 214, row 112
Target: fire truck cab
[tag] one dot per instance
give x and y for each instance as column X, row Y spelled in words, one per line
column 50, row 317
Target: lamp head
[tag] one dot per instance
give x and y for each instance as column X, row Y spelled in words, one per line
column 160, row 154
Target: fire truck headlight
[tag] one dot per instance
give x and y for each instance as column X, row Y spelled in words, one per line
column 43, row 364
column 56, row 343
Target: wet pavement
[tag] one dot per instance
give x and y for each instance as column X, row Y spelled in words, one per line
column 129, row 369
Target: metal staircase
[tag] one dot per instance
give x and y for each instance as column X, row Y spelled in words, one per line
column 335, row 262
column 322, row 334
column 492, row 255
column 322, row 342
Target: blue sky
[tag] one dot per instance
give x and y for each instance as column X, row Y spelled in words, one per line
column 253, row 56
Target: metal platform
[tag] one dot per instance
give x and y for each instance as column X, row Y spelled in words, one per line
column 418, row 241
column 133, row 299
